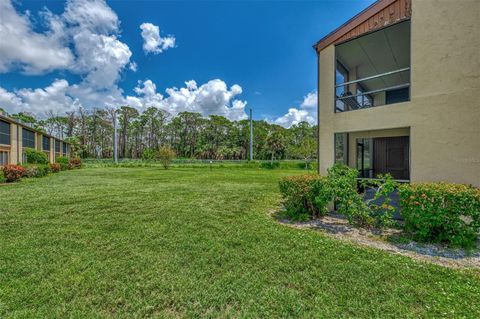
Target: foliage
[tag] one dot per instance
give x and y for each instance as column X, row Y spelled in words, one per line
column 148, row 154
column 35, row 157
column 270, row 165
column 380, row 205
column 442, row 212
column 165, row 156
column 54, row 167
column 305, row 196
column 74, row 163
column 62, row 160
column 190, row 135
column 13, row 173
column 2, row 178
column 36, row 170
column 343, row 183
column 340, row 187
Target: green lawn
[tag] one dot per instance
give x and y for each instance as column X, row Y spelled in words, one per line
column 193, row 242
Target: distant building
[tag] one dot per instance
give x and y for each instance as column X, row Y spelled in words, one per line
column 15, row 137
column 398, row 91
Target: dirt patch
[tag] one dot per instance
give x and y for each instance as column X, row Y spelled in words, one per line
column 391, row 240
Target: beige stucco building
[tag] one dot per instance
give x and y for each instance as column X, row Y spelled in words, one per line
column 399, row 91
column 15, row 137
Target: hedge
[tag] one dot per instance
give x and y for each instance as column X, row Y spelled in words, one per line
column 35, row 157
column 441, row 212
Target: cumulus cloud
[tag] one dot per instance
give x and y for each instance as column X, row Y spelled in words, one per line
column 306, row 112
column 54, row 98
column 29, row 51
column 152, row 41
column 213, row 97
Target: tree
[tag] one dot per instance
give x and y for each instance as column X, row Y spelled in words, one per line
column 275, row 143
column 166, row 156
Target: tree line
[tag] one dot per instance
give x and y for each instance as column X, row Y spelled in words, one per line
column 189, row 134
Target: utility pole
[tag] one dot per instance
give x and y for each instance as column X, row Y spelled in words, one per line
column 115, row 140
column 251, row 136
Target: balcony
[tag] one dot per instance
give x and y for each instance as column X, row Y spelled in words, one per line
column 373, row 69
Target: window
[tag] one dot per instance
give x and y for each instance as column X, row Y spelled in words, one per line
column 28, row 138
column 364, row 157
column 45, row 143
column 4, row 133
column 364, row 100
column 4, row 158
column 64, row 149
column 57, row 146
column 341, row 148
column 341, row 76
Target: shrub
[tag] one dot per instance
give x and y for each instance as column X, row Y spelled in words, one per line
column 35, row 157
column 62, row 160
column 166, row 156
column 148, row 154
column 75, row 163
column 54, row 167
column 2, row 178
column 270, row 165
column 36, row 170
column 13, row 173
column 343, row 183
column 442, row 212
column 305, row 196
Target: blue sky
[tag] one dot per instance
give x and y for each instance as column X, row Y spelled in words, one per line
column 264, row 48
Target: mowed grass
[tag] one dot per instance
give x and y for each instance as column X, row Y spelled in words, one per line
column 145, row 242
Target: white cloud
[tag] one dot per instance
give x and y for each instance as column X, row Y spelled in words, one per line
column 152, row 41
column 54, row 98
column 213, row 97
column 306, row 112
column 31, row 52
column 92, row 15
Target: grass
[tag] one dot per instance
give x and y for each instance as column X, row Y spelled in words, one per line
column 191, row 242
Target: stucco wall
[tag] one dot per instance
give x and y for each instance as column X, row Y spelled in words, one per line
column 444, row 111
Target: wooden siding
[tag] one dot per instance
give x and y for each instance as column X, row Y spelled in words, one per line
column 379, row 15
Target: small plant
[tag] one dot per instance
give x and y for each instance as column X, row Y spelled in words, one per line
column 381, row 204
column 166, row 156
column 305, row 196
column 270, row 165
column 148, row 155
column 13, row 173
column 35, row 157
column 54, row 167
column 74, row 163
column 442, row 212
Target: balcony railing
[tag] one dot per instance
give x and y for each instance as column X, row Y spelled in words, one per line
column 365, row 99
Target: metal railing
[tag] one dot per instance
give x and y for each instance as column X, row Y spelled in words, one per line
column 351, row 99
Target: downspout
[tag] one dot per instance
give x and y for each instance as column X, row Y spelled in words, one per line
column 318, row 111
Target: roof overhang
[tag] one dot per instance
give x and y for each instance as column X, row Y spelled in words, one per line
column 378, row 15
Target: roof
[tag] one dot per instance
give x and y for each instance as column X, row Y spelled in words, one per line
column 376, row 16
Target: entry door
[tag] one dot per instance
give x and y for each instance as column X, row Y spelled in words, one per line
column 392, row 156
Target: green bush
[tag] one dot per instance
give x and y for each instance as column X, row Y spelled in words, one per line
column 2, row 177
column 442, row 212
column 305, row 196
column 34, row 170
column 62, row 160
column 148, row 154
column 270, row 165
column 35, row 157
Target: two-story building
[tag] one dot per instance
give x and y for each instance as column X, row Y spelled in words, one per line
column 15, row 137
column 398, row 89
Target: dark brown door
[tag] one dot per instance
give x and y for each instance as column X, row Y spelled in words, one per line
column 391, row 155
